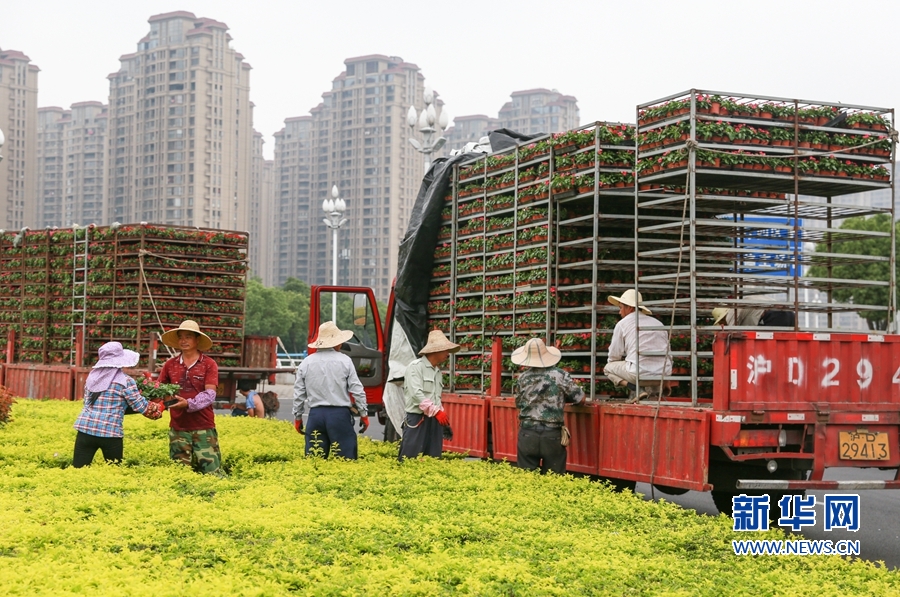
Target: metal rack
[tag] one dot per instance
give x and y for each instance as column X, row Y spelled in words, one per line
column 568, row 199
column 722, row 211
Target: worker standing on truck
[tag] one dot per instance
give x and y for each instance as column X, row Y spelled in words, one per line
column 193, row 439
column 327, row 380
column 423, row 433
column 542, row 392
column 622, row 368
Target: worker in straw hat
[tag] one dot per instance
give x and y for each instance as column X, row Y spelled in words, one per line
column 741, row 317
column 423, row 433
column 328, row 382
column 542, row 390
column 752, row 317
column 654, row 358
column 193, row 439
column 108, row 392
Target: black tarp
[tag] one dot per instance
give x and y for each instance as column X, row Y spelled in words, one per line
column 416, row 258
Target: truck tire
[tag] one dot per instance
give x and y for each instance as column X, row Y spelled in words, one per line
column 724, row 478
column 390, row 434
column 671, row 490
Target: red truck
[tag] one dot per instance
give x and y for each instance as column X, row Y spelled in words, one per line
column 531, row 239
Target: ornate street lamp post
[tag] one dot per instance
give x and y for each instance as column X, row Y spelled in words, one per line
column 426, row 121
column 334, row 209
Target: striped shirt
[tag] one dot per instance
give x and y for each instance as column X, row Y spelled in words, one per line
column 103, row 417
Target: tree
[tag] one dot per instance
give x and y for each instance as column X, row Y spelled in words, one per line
column 875, row 295
column 282, row 312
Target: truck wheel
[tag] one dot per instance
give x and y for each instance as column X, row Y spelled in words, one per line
column 722, row 500
column 671, row 490
column 725, row 479
column 390, row 434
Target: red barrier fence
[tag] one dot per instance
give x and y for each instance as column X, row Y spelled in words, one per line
column 469, row 419
column 39, row 381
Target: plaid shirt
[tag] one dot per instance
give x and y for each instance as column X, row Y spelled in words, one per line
column 103, row 417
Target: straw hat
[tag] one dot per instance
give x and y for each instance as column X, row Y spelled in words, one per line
column 719, row 314
column 112, row 355
column 536, row 354
column 627, row 299
column 438, row 342
column 329, row 336
column 170, row 338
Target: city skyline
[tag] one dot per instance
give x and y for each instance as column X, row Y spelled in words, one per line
column 609, row 56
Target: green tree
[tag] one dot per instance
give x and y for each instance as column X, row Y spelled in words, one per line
column 881, row 246
column 282, row 312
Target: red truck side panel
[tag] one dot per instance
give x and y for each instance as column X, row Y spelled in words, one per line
column 468, row 418
column 39, row 381
column 504, row 428
column 759, row 371
column 666, row 446
column 583, row 423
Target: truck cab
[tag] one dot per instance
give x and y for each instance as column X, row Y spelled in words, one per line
column 354, row 308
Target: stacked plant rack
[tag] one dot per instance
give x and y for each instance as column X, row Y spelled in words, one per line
column 730, row 188
column 36, row 273
column 120, row 283
column 531, row 245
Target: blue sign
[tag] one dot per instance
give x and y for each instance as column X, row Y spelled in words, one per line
column 778, row 239
column 751, row 513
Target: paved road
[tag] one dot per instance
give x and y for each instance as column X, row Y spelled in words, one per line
column 879, row 533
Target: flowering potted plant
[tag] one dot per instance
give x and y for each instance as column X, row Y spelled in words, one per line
column 151, row 389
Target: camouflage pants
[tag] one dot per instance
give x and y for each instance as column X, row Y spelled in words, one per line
column 198, row 449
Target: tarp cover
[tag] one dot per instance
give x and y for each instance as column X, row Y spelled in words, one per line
column 416, row 258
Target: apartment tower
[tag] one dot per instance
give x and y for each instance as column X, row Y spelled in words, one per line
column 19, row 123
column 262, row 216
column 355, row 139
column 181, row 128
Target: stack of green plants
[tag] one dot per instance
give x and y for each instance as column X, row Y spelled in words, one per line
column 283, row 524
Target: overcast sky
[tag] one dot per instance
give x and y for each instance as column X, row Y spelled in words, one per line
column 609, row 55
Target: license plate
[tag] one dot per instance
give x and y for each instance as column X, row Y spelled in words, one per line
column 864, row 445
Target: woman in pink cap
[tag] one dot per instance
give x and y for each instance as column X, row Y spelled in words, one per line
column 107, row 393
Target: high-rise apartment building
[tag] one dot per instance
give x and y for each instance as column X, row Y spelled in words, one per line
column 71, row 165
column 355, row 139
column 19, row 122
column 470, row 129
column 528, row 112
column 293, row 200
column 181, row 127
column 262, row 216
column 539, row 111
column 51, row 165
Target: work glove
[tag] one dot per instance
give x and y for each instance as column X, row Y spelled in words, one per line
column 153, row 411
column 442, row 418
column 298, row 425
column 363, row 424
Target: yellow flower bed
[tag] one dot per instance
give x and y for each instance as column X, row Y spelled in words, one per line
column 281, row 524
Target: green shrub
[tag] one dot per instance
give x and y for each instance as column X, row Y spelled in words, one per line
column 282, row 524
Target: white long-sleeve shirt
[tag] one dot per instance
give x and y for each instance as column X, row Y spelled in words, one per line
column 624, row 345
column 327, row 378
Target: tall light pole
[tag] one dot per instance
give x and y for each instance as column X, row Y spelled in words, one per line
column 2, row 139
column 334, row 209
column 426, row 121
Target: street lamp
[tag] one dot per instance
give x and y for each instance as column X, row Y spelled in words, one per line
column 426, row 120
column 334, row 209
column 2, row 139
